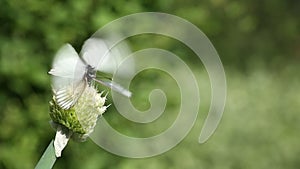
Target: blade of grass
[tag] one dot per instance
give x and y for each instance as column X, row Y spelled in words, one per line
column 48, row 159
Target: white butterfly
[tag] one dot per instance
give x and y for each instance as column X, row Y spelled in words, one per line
column 72, row 74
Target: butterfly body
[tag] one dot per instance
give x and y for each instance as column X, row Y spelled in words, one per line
column 90, row 74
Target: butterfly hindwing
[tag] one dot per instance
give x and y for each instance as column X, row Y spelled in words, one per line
column 67, row 96
column 114, row 86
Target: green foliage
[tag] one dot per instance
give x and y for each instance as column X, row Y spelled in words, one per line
column 48, row 159
column 258, row 42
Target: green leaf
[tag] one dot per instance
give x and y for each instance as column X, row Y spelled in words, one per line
column 48, row 159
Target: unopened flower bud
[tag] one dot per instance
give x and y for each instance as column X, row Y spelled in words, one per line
column 79, row 121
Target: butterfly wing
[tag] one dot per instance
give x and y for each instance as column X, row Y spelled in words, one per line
column 105, row 56
column 67, row 96
column 68, row 76
column 95, row 51
column 67, row 63
column 116, row 87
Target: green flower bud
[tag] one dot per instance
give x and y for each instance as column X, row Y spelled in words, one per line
column 79, row 121
column 82, row 117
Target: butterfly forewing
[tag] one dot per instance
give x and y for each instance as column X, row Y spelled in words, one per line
column 67, row 63
column 94, row 52
column 105, row 56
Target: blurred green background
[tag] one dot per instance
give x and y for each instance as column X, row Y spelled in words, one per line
column 258, row 43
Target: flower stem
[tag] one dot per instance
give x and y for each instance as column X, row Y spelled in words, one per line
column 48, row 159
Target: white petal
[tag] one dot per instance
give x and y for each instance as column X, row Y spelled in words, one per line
column 61, row 140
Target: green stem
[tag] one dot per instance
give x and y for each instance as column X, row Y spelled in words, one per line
column 48, row 159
